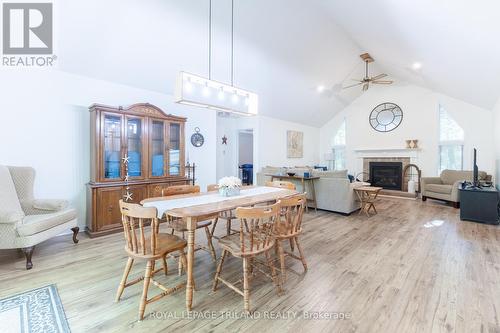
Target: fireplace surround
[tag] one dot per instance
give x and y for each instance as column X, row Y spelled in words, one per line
column 363, row 157
column 388, row 175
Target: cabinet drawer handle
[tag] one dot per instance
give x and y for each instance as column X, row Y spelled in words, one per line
column 110, row 209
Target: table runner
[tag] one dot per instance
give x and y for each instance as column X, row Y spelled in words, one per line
column 164, row 205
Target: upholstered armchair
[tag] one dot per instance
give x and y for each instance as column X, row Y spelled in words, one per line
column 446, row 186
column 26, row 221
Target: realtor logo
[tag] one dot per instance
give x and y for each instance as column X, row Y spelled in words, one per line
column 27, row 28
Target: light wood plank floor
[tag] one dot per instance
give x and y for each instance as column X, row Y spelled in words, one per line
column 414, row 267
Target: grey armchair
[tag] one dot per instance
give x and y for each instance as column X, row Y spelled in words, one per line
column 445, row 187
column 26, row 221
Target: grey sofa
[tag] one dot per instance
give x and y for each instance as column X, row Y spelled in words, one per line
column 446, row 186
column 26, row 221
column 334, row 191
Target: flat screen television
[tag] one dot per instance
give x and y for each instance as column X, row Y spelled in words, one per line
column 475, row 170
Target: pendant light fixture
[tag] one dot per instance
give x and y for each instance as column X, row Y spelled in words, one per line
column 204, row 92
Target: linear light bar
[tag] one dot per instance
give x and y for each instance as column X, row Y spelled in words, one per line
column 201, row 92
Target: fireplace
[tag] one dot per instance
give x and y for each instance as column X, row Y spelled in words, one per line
column 388, row 175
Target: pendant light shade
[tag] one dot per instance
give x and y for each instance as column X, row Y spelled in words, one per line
column 199, row 91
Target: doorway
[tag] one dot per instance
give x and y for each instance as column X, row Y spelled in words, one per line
column 245, row 156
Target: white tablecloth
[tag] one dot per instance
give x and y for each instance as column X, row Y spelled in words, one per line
column 164, row 205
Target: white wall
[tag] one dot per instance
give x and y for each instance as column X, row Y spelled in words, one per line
column 272, row 142
column 269, row 143
column 46, row 125
column 420, row 121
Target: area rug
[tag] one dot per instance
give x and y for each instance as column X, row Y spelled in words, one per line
column 35, row 311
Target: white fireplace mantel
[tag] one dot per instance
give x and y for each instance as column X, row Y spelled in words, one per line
column 361, row 153
column 387, row 150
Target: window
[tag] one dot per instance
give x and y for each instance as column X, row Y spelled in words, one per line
column 339, row 148
column 451, row 142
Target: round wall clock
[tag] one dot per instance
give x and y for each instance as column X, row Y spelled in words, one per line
column 197, row 138
column 386, row 117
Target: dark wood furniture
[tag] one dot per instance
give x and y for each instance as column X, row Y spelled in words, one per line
column 302, row 180
column 154, row 144
column 479, row 204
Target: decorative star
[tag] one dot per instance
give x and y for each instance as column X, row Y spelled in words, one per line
column 127, row 196
column 125, row 159
column 224, row 140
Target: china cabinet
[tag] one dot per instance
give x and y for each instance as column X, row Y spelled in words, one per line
column 154, row 143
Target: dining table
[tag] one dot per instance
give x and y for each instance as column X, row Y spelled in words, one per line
column 198, row 207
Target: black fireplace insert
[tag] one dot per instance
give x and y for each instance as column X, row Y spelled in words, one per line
column 388, row 175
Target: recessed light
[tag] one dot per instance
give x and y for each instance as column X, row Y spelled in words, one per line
column 416, row 66
column 320, row 88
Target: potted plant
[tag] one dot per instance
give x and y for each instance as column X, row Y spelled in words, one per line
column 229, row 186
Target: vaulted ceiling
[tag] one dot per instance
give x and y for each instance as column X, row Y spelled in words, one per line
column 455, row 41
column 284, row 49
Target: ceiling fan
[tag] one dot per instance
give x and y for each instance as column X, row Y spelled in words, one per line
column 366, row 81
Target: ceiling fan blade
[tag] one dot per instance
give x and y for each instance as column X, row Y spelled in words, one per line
column 365, row 86
column 383, row 82
column 352, row 85
column 378, row 76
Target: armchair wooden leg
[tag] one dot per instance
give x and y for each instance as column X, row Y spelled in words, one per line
column 219, row 270
column 210, row 244
column 28, row 252
column 274, row 275
column 424, row 198
column 165, row 265
column 282, row 261
column 302, row 257
column 246, row 284
column 147, row 280
column 228, row 226
column 123, row 282
column 180, row 266
column 75, row 233
column 214, row 224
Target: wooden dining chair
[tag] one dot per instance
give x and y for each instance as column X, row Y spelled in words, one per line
column 281, row 184
column 178, row 225
column 212, row 187
column 289, row 227
column 256, row 237
column 227, row 216
column 180, row 189
column 148, row 245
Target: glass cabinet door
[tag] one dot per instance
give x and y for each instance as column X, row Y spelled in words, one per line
column 134, row 146
column 174, row 166
column 157, row 148
column 112, row 146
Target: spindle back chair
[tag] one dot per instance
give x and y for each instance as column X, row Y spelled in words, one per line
column 147, row 244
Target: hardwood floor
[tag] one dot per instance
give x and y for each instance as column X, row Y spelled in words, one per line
column 414, row 267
